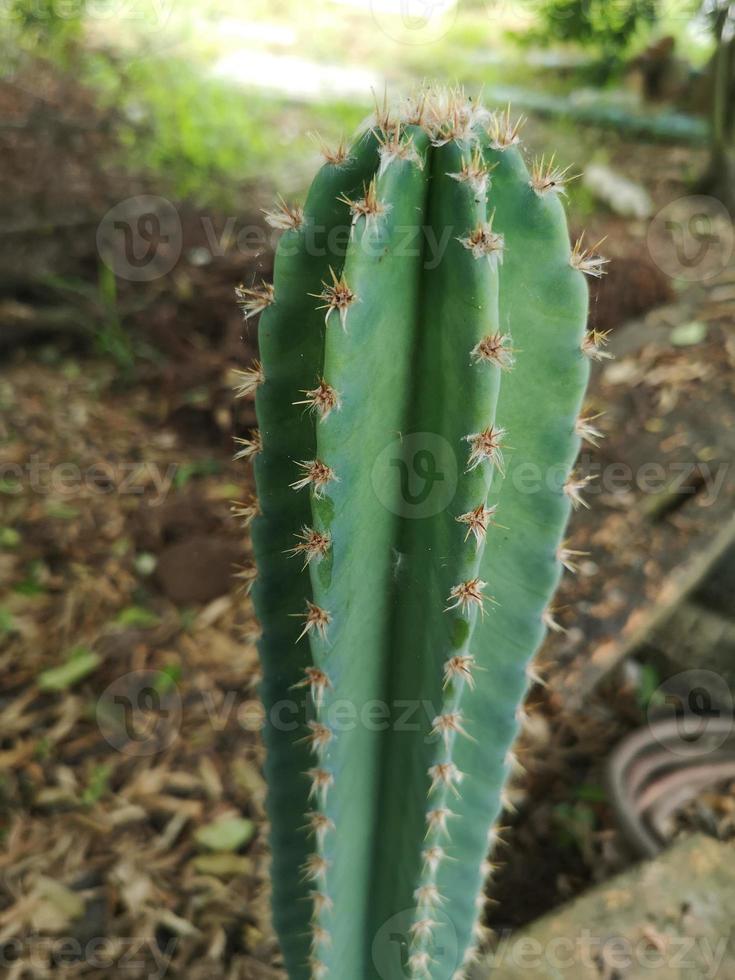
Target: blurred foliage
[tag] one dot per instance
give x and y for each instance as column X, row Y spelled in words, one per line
column 608, row 28
column 574, row 825
column 47, row 24
column 200, row 135
column 136, row 617
column 184, row 121
column 80, row 662
column 646, row 691
column 99, row 314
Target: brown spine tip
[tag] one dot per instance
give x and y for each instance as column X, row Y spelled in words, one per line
column 547, row 178
column 548, row 618
column 484, row 243
column 321, row 903
column 489, row 868
column 448, row 725
column 459, row 668
column 319, row 970
column 535, row 677
column 247, row 575
column 507, row 803
column 249, row 447
column 428, row 896
column 502, row 132
column 573, row 489
column 422, row 931
column 516, row 768
column 249, row 380
column 475, row 173
column 315, row 868
column 585, row 430
column 255, row 299
column 315, row 474
column 467, row 595
column 453, row 117
column 588, row 260
column 284, row 217
column 568, row 558
column 322, row 400
column 415, row 108
column 477, row 522
column 486, row 446
column 392, row 146
column 594, row 343
column 319, row 825
column 313, row 545
column 437, row 821
column 369, row 206
column 418, row 964
column 336, row 295
column 319, row 737
column 336, row 156
column 321, row 782
column 315, row 618
column 496, row 349
column 320, row 937
column 318, row 682
column 245, row 511
column 445, row 775
column 433, row 857
column 382, row 116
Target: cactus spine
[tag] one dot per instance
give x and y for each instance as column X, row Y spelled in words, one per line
column 424, row 360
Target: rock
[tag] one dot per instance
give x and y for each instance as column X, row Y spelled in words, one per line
column 694, row 637
column 621, row 195
column 197, row 569
column 669, row 918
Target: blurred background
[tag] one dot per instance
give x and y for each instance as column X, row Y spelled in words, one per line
column 139, row 142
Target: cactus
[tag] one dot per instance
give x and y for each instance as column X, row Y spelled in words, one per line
column 424, row 358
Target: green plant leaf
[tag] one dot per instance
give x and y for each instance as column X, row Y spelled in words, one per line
column 80, row 663
column 225, row 834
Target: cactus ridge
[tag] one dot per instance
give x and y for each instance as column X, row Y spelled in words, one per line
column 423, row 350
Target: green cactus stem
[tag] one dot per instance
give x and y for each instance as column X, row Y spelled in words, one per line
column 424, row 358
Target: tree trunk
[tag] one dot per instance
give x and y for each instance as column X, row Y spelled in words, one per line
column 719, row 178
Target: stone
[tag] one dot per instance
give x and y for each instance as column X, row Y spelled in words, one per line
column 197, row 569
column 670, row 918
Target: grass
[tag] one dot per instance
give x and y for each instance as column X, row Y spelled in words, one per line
column 201, row 136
